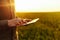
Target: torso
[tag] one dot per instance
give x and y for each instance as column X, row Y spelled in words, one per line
column 6, row 14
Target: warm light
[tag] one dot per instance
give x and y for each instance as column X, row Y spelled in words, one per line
column 37, row 5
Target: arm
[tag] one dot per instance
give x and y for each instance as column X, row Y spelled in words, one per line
column 12, row 23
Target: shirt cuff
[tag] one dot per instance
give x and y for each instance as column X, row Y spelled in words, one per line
column 3, row 24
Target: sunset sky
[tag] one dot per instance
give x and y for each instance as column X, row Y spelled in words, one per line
column 37, row 5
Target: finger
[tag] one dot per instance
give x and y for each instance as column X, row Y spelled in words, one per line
column 18, row 24
column 27, row 20
column 21, row 21
column 24, row 22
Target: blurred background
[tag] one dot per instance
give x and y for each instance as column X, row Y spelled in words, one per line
column 47, row 28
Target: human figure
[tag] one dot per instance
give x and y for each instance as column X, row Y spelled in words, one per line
column 8, row 22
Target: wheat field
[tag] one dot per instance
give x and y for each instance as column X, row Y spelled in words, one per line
column 47, row 28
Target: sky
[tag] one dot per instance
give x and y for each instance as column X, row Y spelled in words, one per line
column 37, row 5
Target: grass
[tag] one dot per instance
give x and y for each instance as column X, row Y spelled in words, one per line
column 47, row 28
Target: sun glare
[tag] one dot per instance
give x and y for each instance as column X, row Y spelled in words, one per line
column 37, row 5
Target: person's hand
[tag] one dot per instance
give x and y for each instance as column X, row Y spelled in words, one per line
column 17, row 22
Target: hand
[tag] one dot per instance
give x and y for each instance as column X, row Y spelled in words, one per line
column 17, row 22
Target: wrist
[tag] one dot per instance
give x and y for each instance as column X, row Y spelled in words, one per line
column 9, row 23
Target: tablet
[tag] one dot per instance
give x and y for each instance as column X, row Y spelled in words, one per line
column 32, row 21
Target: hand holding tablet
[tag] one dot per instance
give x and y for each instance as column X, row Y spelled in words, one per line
column 32, row 21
